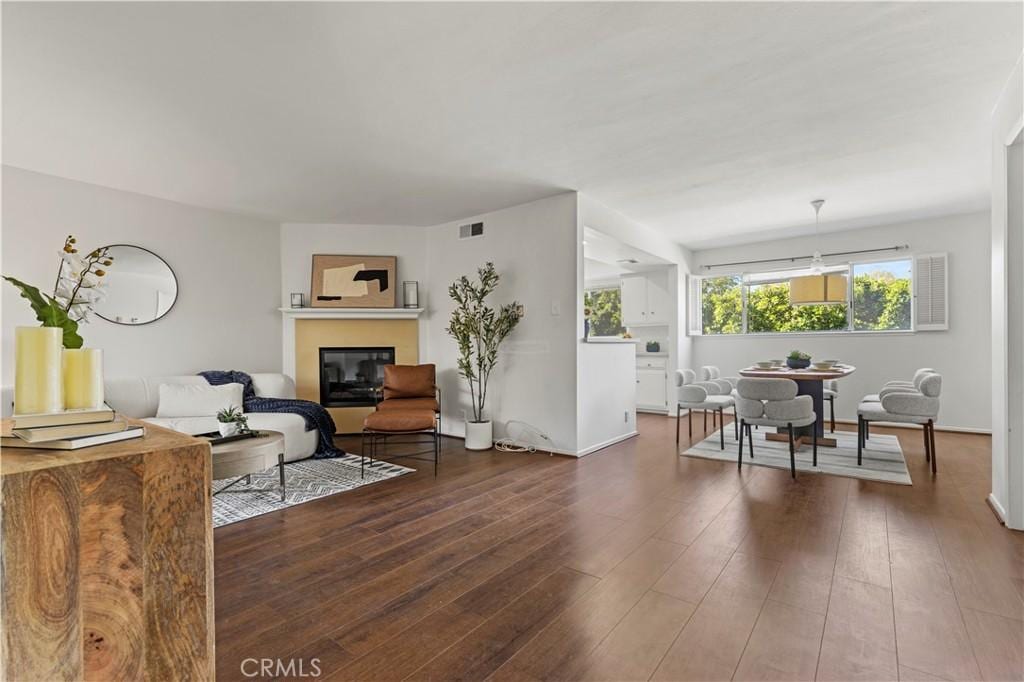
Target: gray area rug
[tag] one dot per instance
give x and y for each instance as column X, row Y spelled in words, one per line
column 307, row 480
column 882, row 460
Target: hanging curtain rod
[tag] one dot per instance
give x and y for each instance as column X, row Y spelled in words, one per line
column 793, row 259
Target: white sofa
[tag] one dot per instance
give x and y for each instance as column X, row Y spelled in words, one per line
column 138, row 397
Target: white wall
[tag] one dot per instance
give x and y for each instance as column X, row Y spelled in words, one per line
column 533, row 247
column 227, row 268
column 597, row 216
column 961, row 354
column 607, row 393
column 1007, row 247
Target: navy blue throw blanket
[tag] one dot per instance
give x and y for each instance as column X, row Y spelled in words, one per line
column 314, row 413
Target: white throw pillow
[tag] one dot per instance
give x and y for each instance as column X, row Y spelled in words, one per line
column 197, row 400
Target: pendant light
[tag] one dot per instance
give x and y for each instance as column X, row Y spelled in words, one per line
column 818, row 288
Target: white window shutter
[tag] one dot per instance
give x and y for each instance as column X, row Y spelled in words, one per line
column 931, row 284
column 695, row 326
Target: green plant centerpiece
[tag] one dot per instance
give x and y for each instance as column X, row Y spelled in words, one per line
column 233, row 421
column 479, row 330
column 798, row 360
column 79, row 285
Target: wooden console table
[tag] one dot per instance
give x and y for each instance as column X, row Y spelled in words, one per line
column 108, row 561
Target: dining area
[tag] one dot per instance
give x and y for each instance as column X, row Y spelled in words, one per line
column 784, row 416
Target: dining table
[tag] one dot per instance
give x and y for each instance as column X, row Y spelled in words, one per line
column 809, row 381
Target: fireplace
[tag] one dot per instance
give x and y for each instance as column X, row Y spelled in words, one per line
column 349, row 376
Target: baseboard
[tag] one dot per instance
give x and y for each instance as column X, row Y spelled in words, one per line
column 893, row 425
column 996, row 508
column 553, row 451
column 938, row 427
column 607, row 443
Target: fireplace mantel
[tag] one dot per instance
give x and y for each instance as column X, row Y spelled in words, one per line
column 290, row 315
column 351, row 313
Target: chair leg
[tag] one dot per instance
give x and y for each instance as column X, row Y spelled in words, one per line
column 931, row 432
column 750, row 440
column 867, row 432
column 861, row 425
column 736, row 422
column 689, row 423
column 705, row 421
column 437, row 451
column 792, row 451
column 721, row 422
column 679, row 415
column 832, row 408
column 362, row 457
column 739, row 458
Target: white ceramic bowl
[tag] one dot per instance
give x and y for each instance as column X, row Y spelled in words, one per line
column 765, row 365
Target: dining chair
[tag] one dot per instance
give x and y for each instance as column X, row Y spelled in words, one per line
column 774, row 402
column 904, row 405
column 712, row 373
column 896, row 383
column 701, row 395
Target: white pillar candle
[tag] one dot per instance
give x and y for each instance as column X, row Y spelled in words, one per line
column 83, row 378
column 37, row 370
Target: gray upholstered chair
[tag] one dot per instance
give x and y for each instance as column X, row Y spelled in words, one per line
column 701, row 395
column 712, row 373
column 912, row 384
column 774, row 402
column 904, row 405
column 830, row 390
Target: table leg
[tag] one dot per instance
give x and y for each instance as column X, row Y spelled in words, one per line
column 813, row 388
column 280, row 469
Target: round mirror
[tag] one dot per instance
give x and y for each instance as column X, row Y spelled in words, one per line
column 140, row 286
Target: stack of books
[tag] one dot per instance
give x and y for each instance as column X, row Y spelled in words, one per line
column 69, row 430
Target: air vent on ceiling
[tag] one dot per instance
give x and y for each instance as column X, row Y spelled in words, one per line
column 474, row 230
column 630, row 261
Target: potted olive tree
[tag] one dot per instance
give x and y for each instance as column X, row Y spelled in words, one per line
column 479, row 329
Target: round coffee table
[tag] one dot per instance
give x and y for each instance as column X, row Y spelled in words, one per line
column 247, row 456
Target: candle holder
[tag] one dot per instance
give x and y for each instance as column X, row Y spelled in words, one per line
column 411, row 294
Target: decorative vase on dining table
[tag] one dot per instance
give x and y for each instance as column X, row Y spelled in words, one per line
column 37, row 370
column 798, row 363
column 83, row 378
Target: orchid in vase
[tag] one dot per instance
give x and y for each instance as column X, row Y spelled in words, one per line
column 78, row 287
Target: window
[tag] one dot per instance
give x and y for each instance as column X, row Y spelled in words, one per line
column 605, row 306
column 769, row 310
column 881, row 295
column 759, row 303
column 722, row 305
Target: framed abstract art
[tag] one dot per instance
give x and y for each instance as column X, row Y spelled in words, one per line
column 353, row 281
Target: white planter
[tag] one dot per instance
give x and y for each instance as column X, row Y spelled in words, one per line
column 229, row 429
column 479, row 435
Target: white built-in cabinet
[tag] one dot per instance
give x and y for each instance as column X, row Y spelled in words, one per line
column 651, row 375
column 645, row 299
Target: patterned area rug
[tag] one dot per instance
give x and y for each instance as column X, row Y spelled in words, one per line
column 882, row 459
column 306, row 480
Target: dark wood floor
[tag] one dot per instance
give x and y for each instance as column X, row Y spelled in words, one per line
column 632, row 564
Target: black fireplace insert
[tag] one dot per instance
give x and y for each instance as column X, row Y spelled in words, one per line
column 349, row 376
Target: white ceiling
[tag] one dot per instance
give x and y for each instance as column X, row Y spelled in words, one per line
column 715, row 123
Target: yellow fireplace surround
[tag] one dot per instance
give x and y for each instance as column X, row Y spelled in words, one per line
column 313, row 334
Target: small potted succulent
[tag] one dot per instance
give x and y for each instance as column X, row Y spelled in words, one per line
column 798, row 360
column 232, row 422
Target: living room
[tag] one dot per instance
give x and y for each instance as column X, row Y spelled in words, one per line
column 310, row 180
